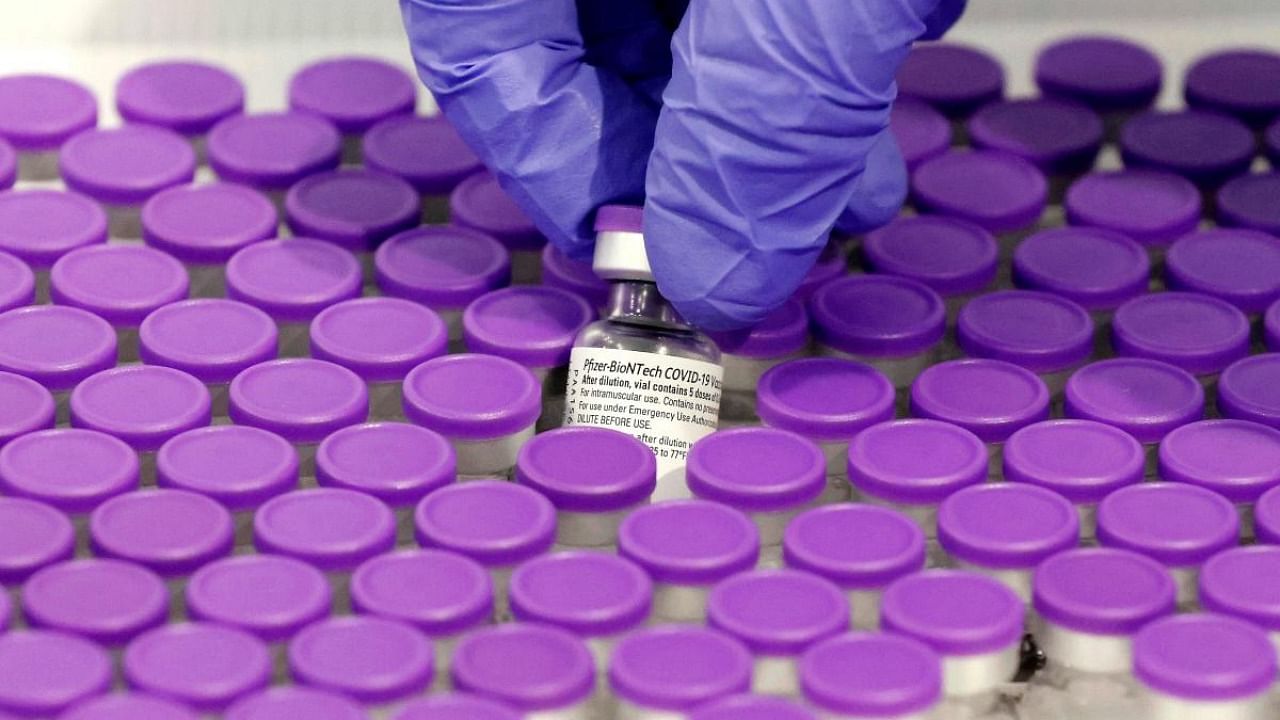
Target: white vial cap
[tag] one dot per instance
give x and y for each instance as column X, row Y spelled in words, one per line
column 620, row 252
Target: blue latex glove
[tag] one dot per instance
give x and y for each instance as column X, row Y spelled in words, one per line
column 772, row 127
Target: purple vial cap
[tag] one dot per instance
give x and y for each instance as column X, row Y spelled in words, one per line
column 854, row 545
column 1238, row 459
column 172, row 532
column 126, row 165
column 290, row 703
column 1204, row 657
column 1244, row 83
column 302, row 399
column 1103, row 591
column 395, row 462
column 1106, row 73
column 143, row 405
column 492, row 522
column 121, row 284
column 271, row 596
column 1251, row 201
column 1239, row 266
column 441, row 593
column 333, row 529
column 472, row 397
column 379, row 338
column 1039, row 331
column 922, row 132
column 877, row 316
column 1266, row 517
column 752, row 707
column 1174, row 523
column 41, row 225
column 955, row 79
column 1203, row 146
column 778, row 612
column 530, row 667
column 480, row 204
column 872, row 675
column 678, row 667
column 532, row 325
column 1240, row 582
column 1271, row 142
column 588, row 469
column 756, row 469
column 1271, row 327
column 293, row 280
column 33, row 535
column 107, row 601
column 1145, row 398
column 953, row 611
column 128, row 706
column 8, row 165
column 619, row 218
column 211, row 339
column 17, row 283
column 425, row 151
column 1007, row 525
column 272, row 151
column 783, row 332
column 916, row 462
column 184, row 96
column 1094, row 267
column 998, row 191
column 353, row 92
column 28, row 688
column 831, row 264
column 991, row 398
column 369, row 659
column 693, row 542
column 25, row 406
column 71, row 469
column 237, row 465
column 207, row 223
column 454, row 706
column 201, row 665
column 1081, row 460
column 561, row 271
column 1057, row 136
column 1151, row 206
column 442, row 267
column 1250, row 390
column 40, row 112
column 356, row 209
column 827, row 399
column 590, row 594
column 950, row 255
column 57, row 346
column 1199, row 333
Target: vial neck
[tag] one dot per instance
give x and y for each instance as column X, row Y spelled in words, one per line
column 639, row 303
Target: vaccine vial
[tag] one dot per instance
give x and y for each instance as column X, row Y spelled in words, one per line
column 595, row 477
column 871, row 676
column 1152, row 207
column 1083, row 461
column 40, row 225
column 1115, row 76
column 1203, row 146
column 668, row 670
column 1090, row 603
column 832, row 264
column 955, row 79
column 27, row 686
column 1238, row 82
column 1266, row 517
column 109, row 602
column 777, row 614
column 687, row 546
column 1198, row 333
column 128, row 705
column 454, row 706
column 25, row 406
column 285, row 703
column 41, row 113
column 1239, row 266
column 204, row 666
column 955, row 258
column 1247, row 390
column 377, row 662
column 425, row 152
column 204, row 225
column 783, row 335
column 354, row 93
column 561, row 271
column 1249, row 201
column 543, row 672
column 33, row 536
column 921, row 132
column 1236, row 459
column 1238, row 582
column 480, row 204
column 1045, row 333
column 1060, row 137
column 269, row 152
column 19, row 283
column 184, row 96
column 752, row 707
column 861, row 548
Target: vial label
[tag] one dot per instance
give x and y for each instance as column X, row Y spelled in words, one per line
column 666, row 402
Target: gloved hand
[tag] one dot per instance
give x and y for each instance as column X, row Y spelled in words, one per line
column 772, row 127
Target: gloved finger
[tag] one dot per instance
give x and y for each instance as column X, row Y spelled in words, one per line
column 562, row 136
column 878, row 193
column 942, row 18
column 630, row 38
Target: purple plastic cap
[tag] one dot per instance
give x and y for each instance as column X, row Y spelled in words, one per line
column 237, row 465
column 494, row 523
column 17, row 283
column 532, row 325
column 379, row 338
column 333, row 529
column 32, row 536
column 951, row 256
column 480, row 204
column 619, row 218
column 530, row 667
column 1198, row 333
column 73, row 470
column 397, row 463
column 1057, row 136
column 1000, row 192
column 1105, row 73
column 1097, row 268
column 1081, row 460
column 854, row 546
column 1039, row 331
column 1241, row 582
column 1204, row 657
column 827, row 399
column 43, row 111
column 922, row 132
column 561, row 271
column 172, row 532
column 353, row 92
column 693, row 542
column 472, row 397
column 201, row 665
column 1250, row 390
column 126, row 165
column 955, row 79
column 953, row 611
column 1177, row 524
column 442, row 267
column 1271, row 142
column 356, row 209
column 270, row 596
column 107, row 601
column 916, row 462
column 425, row 151
column 778, row 612
column 877, row 315
column 590, row 594
column 1237, row 459
column 1266, row 517
column 783, row 332
column 302, row 399
column 1103, row 591
column 440, row 593
column 1007, row 525
column 121, row 284
column 29, row 684
column 1239, row 266
column 1150, row 206
column 293, row 280
column 370, row 659
column 756, row 469
column 143, row 405
column 290, row 703
column 41, row 225
column 184, row 96
column 752, row 707
column 1241, row 83
column 129, row 706
column 453, row 706
column 8, row 165
column 1145, row 398
column 272, row 151
column 1271, row 327
column 991, row 398
column 207, row 223
column 1204, row 147
column 57, row 346
column 831, row 264
column 872, row 675
column 678, row 667
column 588, row 469
column 25, row 406
column 1251, row 201
column 212, row 339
